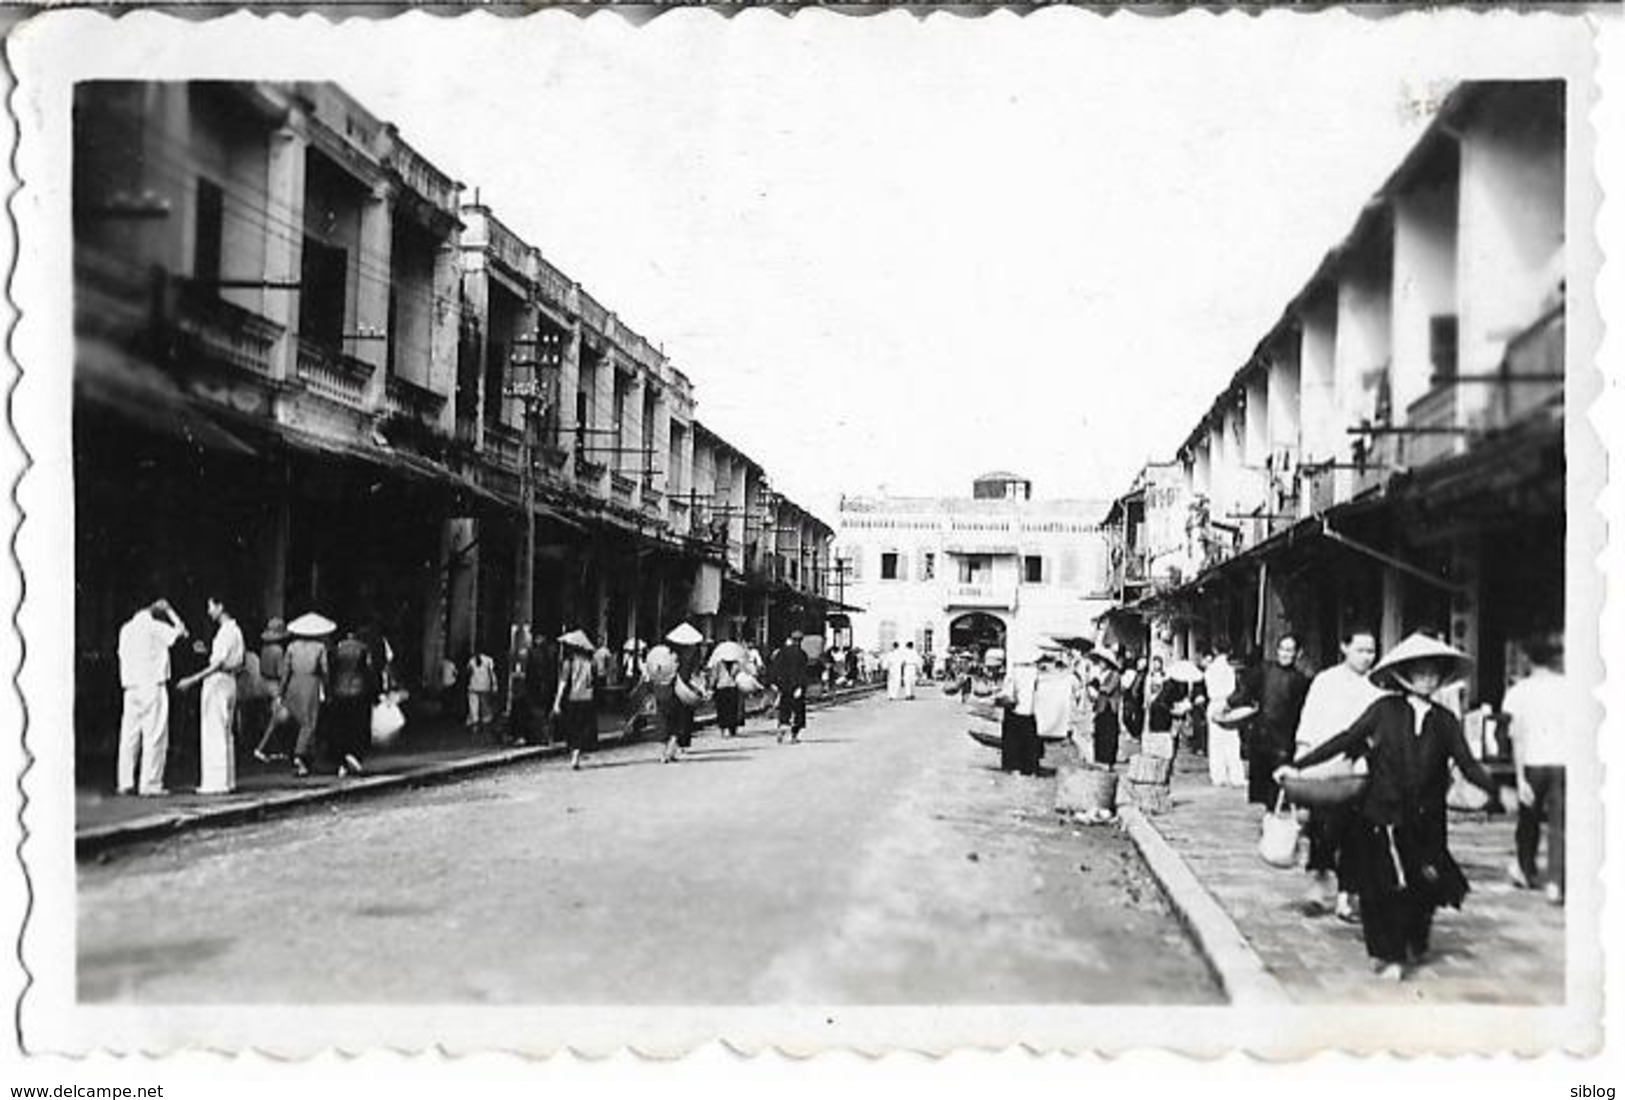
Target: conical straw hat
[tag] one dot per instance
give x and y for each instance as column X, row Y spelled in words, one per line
column 684, row 634
column 1420, row 647
column 311, row 625
column 576, row 639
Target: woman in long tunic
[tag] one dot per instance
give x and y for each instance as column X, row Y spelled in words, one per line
column 304, row 684
column 725, row 693
column 574, row 711
column 1404, row 865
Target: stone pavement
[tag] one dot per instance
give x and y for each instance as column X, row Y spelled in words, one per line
column 1504, row 947
column 429, row 750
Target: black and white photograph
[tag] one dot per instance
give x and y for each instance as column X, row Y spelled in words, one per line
column 880, row 533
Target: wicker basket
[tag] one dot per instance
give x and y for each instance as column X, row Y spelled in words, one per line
column 1144, row 768
column 1301, row 791
column 1081, row 790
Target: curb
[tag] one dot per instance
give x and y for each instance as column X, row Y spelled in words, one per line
column 1245, row 979
column 94, row 841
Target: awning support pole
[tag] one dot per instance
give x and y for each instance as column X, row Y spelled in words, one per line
column 1388, row 559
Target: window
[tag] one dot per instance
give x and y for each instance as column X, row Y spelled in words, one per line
column 888, row 565
column 211, row 223
column 928, row 566
column 323, row 275
column 1032, row 569
column 1442, row 345
column 854, row 563
column 975, row 569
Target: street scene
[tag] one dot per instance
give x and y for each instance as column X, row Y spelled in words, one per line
column 444, row 636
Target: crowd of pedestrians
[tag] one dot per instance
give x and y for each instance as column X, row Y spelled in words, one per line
column 318, row 697
column 1368, row 755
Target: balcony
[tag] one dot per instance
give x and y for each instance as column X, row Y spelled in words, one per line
column 504, row 446
column 1001, row 597
column 410, row 401
column 222, row 332
column 1436, row 409
column 334, row 375
column 622, row 486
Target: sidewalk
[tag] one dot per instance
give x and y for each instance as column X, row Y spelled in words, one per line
column 1504, row 947
column 429, row 751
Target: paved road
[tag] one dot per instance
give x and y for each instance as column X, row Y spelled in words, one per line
column 883, row 860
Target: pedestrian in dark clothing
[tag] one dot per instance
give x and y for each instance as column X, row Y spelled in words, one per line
column 349, row 707
column 1404, row 865
column 574, row 710
column 1277, row 690
column 674, row 672
column 541, row 683
column 1105, row 695
column 787, row 673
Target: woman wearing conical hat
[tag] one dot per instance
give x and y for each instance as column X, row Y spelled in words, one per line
column 1404, row 867
column 673, row 671
column 573, row 707
column 304, row 682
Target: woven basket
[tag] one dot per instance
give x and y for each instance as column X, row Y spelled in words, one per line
column 1336, row 791
column 1083, row 789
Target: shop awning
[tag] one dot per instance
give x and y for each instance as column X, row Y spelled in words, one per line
column 110, row 378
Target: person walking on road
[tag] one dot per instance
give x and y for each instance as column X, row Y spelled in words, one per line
column 910, row 669
column 217, row 748
column 676, row 692
column 574, row 711
column 1538, row 708
column 353, row 687
column 1336, row 698
column 893, row 663
column 304, row 683
column 1405, row 868
column 787, row 674
column 726, row 665
column 273, row 659
column 144, row 642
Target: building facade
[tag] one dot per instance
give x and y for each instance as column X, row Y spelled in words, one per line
column 1392, row 454
column 993, row 569
column 308, row 375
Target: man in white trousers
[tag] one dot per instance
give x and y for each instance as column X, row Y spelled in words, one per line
column 910, row 664
column 1224, row 764
column 143, row 665
column 216, row 749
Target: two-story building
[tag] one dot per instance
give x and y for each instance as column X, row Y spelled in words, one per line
column 1392, row 453
column 308, row 375
column 989, row 570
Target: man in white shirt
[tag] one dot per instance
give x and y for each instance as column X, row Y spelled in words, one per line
column 143, row 663
column 1337, row 696
column 1224, row 765
column 1537, row 707
column 216, row 748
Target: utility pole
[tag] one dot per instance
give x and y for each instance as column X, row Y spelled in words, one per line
column 526, row 381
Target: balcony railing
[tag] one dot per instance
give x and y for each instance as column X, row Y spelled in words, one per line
column 1537, row 352
column 412, row 401
column 595, row 316
column 334, row 375
column 503, row 445
column 1435, row 409
column 224, row 332
column 622, row 487
column 999, row 596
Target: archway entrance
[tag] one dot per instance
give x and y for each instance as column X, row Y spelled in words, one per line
column 976, row 631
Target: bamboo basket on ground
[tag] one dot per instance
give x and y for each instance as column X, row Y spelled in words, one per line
column 1149, row 782
column 1084, row 789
